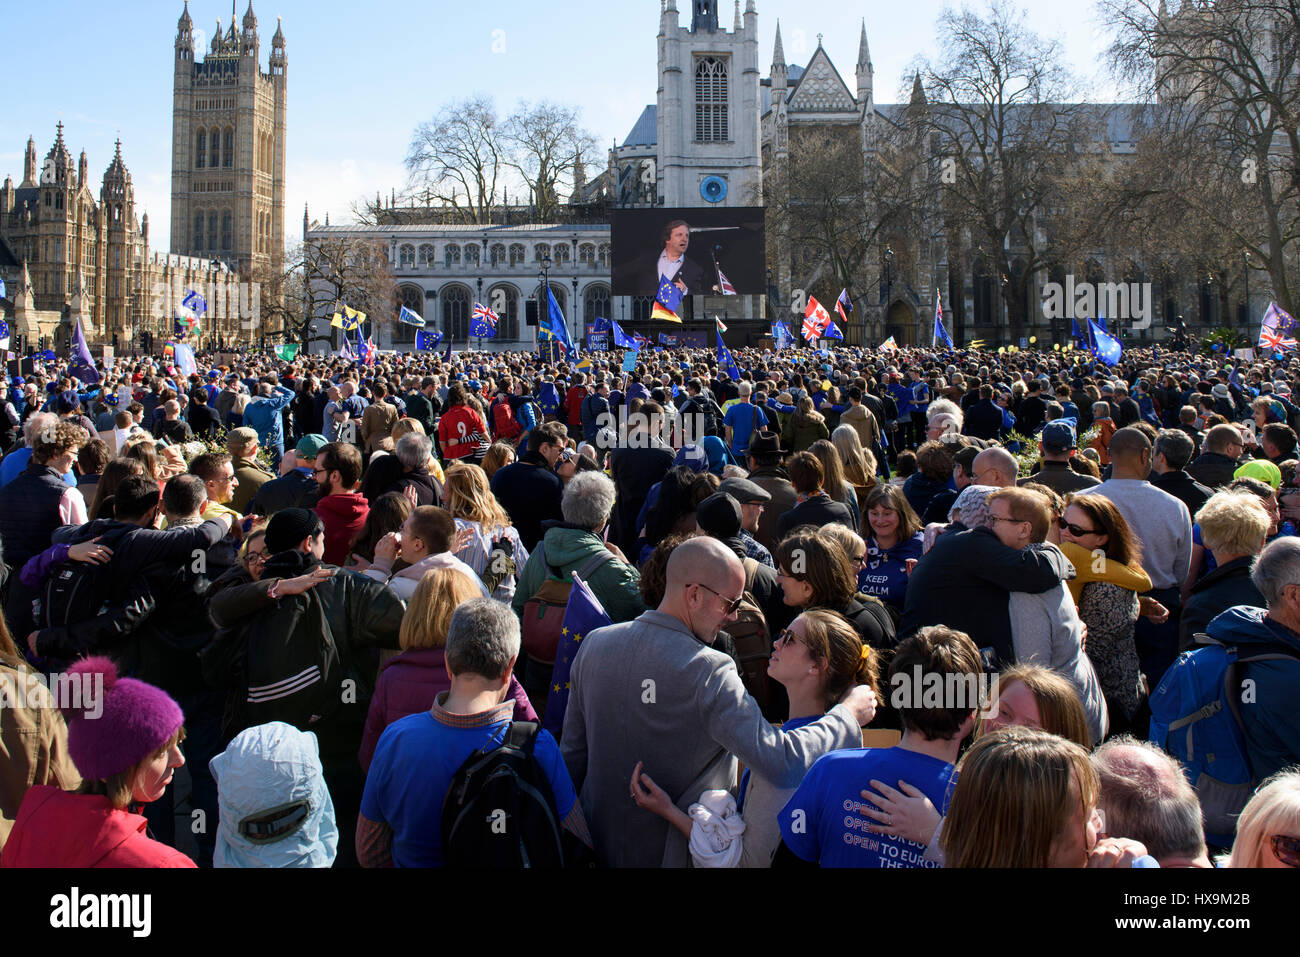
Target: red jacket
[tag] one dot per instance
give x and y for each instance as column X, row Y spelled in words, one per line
column 62, row 829
column 344, row 516
column 574, row 404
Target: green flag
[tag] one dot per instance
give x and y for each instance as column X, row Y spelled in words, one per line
column 287, row 353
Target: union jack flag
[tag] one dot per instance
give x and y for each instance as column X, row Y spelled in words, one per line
column 815, row 319
column 1274, row 340
column 487, row 315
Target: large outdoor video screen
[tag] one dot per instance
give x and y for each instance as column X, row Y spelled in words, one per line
column 690, row 246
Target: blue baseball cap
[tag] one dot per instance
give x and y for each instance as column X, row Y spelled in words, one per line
column 1058, row 436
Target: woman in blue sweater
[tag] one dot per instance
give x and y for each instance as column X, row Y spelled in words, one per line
column 893, row 533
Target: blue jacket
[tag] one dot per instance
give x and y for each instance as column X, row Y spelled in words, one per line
column 1270, row 715
column 264, row 415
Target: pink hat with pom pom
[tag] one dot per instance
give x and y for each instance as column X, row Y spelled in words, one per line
column 120, row 721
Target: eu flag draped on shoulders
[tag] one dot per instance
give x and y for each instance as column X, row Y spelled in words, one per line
column 667, row 301
column 82, row 365
column 426, row 341
column 940, row 332
column 582, row 616
column 1108, row 348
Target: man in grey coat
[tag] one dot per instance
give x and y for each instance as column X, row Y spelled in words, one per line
column 654, row 690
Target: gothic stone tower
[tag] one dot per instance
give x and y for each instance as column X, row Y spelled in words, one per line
column 228, row 148
column 709, row 108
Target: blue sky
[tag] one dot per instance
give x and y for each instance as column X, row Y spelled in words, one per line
column 361, row 76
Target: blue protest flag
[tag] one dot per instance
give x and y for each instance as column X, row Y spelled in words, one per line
column 1108, row 348
column 940, row 330
column 621, row 338
column 411, row 318
column 195, row 303
column 82, row 365
column 582, row 616
column 669, row 295
column 480, row 329
column 548, row 398
column 832, row 332
column 186, row 364
column 427, row 341
column 599, row 325
column 556, row 325
column 725, row 361
column 4, row 334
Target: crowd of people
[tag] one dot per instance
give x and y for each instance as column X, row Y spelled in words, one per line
column 944, row 609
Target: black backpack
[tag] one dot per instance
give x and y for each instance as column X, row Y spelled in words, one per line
column 293, row 669
column 78, row 591
column 499, row 812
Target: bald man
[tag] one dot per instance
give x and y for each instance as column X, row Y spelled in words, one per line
column 1146, row 797
column 1164, row 527
column 655, row 691
column 997, row 468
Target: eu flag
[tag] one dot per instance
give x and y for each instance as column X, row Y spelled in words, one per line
column 599, row 325
column 832, row 332
column 667, row 301
column 556, row 325
column 427, row 341
column 80, row 362
column 621, row 338
column 725, row 361
column 480, row 329
column 1108, row 348
column 583, row 615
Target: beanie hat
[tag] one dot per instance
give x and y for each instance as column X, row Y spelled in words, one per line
column 288, row 527
column 1263, row 470
column 119, row 722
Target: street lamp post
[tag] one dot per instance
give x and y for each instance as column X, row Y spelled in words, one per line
column 544, row 299
column 1245, row 257
column 577, row 318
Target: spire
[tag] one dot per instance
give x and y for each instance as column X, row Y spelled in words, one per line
column 58, row 140
column 705, row 18
column 185, row 23
column 278, row 39
column 864, row 51
column 918, row 91
column 82, row 169
column 737, row 27
column 29, row 165
column 216, row 37
column 778, row 54
column 250, row 18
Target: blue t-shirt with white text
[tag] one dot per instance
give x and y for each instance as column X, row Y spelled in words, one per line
column 824, row 820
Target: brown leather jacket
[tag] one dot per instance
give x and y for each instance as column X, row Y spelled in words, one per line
column 33, row 741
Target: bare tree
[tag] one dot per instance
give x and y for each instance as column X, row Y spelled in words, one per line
column 1004, row 118
column 457, row 157
column 1227, row 76
column 546, row 143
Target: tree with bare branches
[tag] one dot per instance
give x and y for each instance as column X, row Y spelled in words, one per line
column 458, row 157
column 1227, row 78
column 546, row 143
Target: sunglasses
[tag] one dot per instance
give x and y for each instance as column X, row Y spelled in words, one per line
column 787, row 638
column 1286, row 849
column 732, row 604
column 1073, row 529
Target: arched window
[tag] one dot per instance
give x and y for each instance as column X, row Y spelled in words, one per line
column 711, row 100
column 642, row 306
column 504, row 301
column 561, row 254
column 561, row 298
column 587, row 254
column 406, row 256
column 604, row 255
column 228, row 158
column 200, row 149
column 212, row 230
column 595, row 303
column 498, row 254
column 518, row 253
column 227, row 222
column 455, row 313
column 426, row 254
column 472, row 254
column 197, row 242
column 541, row 251
column 214, row 148
column 451, row 256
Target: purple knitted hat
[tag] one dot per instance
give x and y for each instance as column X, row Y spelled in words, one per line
column 118, row 721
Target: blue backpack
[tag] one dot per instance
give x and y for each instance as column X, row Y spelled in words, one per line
column 1196, row 717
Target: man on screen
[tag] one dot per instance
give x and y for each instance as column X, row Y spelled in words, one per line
column 673, row 264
